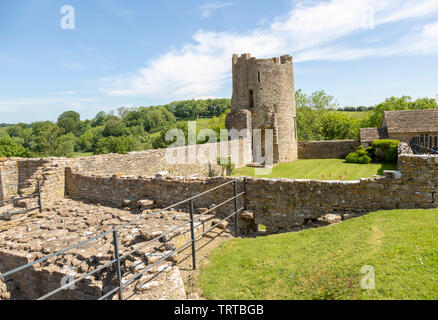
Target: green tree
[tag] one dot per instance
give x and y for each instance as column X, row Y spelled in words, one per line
column 70, row 122
column 403, row 103
column 9, row 148
column 338, row 126
column 115, row 128
column 121, row 145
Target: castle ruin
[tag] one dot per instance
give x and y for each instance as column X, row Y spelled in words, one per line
column 264, row 98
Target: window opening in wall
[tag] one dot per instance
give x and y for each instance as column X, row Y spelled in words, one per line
column 261, row 228
column 295, row 128
column 251, row 99
column 258, row 76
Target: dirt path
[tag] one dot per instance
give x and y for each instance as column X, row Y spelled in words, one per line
column 204, row 247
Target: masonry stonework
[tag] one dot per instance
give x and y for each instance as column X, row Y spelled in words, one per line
column 326, row 149
column 264, row 98
column 280, row 204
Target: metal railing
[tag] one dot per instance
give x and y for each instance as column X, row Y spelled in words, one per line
column 119, row 257
column 37, row 195
column 425, row 145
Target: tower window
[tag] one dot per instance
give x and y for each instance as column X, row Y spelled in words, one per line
column 258, row 76
column 251, row 99
column 295, row 129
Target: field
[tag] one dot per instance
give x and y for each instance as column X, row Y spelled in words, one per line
column 82, row 154
column 356, row 115
column 327, row 263
column 321, row 169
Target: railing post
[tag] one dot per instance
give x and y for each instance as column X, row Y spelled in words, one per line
column 118, row 270
column 244, row 194
column 192, row 232
column 236, row 217
column 39, row 196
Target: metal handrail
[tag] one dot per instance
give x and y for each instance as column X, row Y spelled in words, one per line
column 37, row 195
column 118, row 258
column 425, row 144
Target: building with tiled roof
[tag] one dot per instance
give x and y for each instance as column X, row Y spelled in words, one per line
column 403, row 125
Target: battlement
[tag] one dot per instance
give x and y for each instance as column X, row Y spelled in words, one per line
column 246, row 57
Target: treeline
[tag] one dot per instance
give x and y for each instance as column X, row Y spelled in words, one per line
column 356, row 109
column 130, row 130
column 318, row 116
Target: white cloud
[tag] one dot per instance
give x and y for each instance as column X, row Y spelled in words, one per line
column 208, row 8
column 312, row 30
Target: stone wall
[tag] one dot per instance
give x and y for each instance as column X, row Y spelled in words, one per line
column 114, row 190
column 148, row 163
column 19, row 176
column 8, row 179
column 326, row 149
column 265, row 88
column 280, row 204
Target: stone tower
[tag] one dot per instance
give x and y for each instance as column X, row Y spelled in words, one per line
column 264, row 98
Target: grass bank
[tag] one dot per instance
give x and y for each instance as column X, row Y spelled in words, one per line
column 326, row 263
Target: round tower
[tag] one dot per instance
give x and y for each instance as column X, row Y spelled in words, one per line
column 263, row 91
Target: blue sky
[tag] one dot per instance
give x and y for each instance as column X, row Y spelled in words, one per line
column 144, row 52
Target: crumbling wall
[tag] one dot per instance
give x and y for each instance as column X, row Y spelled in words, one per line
column 194, row 160
column 280, row 204
column 8, row 179
column 329, row 149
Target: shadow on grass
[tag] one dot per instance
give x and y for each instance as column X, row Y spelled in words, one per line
column 383, row 166
column 386, row 166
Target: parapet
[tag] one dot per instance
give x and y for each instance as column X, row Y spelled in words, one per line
column 285, row 59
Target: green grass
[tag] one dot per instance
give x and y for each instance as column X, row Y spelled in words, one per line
column 326, row 263
column 82, row 154
column 321, row 169
column 356, row 115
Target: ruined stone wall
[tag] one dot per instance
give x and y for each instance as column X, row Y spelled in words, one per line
column 19, row 176
column 114, row 190
column 51, row 174
column 150, row 162
column 280, row 204
column 328, row 149
column 8, row 179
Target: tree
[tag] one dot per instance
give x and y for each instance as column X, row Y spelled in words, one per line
column 338, row 126
column 115, row 128
column 121, row 145
column 70, row 122
column 9, row 148
column 64, row 145
column 403, row 103
column 44, row 135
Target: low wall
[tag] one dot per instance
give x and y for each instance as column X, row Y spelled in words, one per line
column 195, row 160
column 280, row 204
column 19, row 175
column 328, row 149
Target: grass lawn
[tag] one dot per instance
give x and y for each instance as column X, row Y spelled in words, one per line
column 326, row 263
column 82, row 154
column 356, row 115
column 321, row 169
